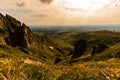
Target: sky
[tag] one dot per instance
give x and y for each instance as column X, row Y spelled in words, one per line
column 63, row 12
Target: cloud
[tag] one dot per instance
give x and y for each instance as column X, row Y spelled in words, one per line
column 17, row 11
column 38, row 15
column 73, row 9
column 117, row 5
column 21, row 4
column 53, row 12
column 46, row 1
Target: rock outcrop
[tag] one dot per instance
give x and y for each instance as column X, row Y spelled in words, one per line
column 13, row 23
column 14, row 33
column 101, row 47
column 98, row 49
column 93, row 51
column 4, row 24
column 79, row 48
column 22, row 37
column 57, row 60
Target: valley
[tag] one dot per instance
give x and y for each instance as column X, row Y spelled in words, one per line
column 58, row 53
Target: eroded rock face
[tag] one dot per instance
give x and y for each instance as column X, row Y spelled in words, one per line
column 23, row 36
column 4, row 25
column 13, row 23
column 15, row 34
column 79, row 48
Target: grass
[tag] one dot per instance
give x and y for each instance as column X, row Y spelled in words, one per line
column 16, row 65
column 111, row 52
column 17, row 70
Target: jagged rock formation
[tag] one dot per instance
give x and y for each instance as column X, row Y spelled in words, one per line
column 79, row 48
column 22, row 37
column 4, row 25
column 15, row 34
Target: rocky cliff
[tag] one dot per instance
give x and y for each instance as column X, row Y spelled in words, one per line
column 15, row 33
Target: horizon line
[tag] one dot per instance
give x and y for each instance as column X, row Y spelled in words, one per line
column 38, row 25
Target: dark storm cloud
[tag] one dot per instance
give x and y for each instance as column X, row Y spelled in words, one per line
column 46, row 1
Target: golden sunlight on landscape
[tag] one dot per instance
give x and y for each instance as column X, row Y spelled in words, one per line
column 59, row 39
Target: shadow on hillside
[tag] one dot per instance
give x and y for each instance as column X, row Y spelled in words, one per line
column 82, row 59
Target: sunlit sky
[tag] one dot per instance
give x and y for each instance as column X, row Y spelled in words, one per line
column 63, row 12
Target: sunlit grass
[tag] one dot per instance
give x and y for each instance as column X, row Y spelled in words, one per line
column 18, row 70
column 14, row 65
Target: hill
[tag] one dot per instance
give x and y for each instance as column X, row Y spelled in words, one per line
column 48, row 54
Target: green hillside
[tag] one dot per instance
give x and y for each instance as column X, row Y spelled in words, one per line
column 17, row 65
column 57, row 54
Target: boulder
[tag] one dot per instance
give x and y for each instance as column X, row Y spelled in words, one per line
column 79, row 48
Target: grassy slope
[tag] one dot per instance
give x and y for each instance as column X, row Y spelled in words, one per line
column 17, row 65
